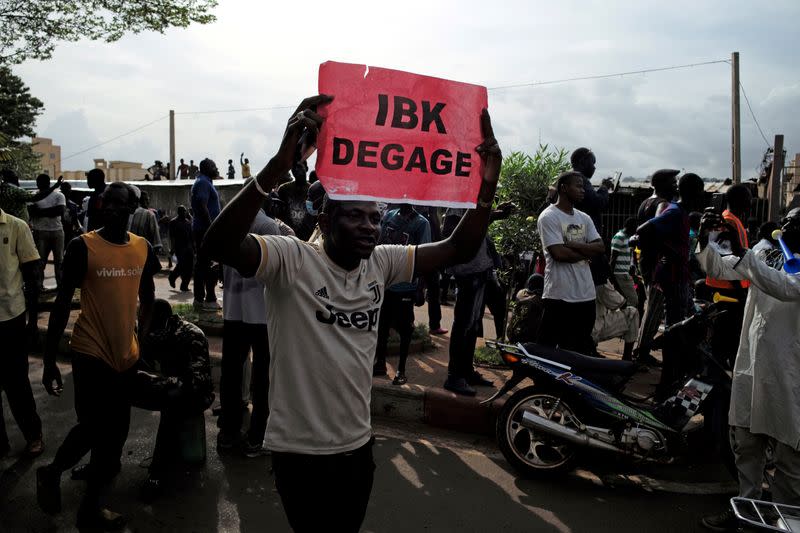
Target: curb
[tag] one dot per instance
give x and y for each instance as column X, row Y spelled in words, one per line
column 443, row 409
column 447, row 410
column 436, row 407
column 396, row 402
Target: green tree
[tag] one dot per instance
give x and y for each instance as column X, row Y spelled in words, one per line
column 32, row 28
column 524, row 180
column 18, row 113
column 19, row 157
column 18, row 108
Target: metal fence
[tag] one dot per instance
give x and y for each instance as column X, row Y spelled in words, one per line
column 624, row 204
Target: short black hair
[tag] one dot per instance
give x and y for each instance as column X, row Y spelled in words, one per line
column 691, row 186
column 96, row 177
column 565, row 177
column 535, row 282
column 9, row 175
column 205, row 166
column 694, row 219
column 766, row 229
column 42, row 179
column 662, row 179
column 316, row 194
column 133, row 200
column 329, row 205
column 578, row 156
column 738, row 196
column 161, row 312
column 631, row 222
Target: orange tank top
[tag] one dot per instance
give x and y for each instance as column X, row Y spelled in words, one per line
column 109, row 294
column 742, row 234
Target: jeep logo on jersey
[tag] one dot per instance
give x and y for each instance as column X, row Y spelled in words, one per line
column 357, row 319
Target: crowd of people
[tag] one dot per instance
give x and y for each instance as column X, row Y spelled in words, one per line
column 676, row 250
column 312, row 287
column 159, row 171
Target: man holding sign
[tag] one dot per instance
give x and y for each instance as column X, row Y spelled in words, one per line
column 325, row 299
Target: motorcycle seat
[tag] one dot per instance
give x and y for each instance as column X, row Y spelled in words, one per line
column 582, row 364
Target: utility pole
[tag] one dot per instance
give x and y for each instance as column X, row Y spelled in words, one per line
column 774, row 189
column 171, row 145
column 736, row 130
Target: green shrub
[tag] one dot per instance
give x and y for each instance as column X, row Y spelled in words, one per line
column 524, row 180
column 487, row 356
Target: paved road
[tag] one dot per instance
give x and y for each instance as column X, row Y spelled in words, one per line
column 426, row 480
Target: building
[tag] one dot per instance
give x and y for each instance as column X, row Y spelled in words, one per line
column 792, row 176
column 50, row 163
column 50, row 155
column 114, row 171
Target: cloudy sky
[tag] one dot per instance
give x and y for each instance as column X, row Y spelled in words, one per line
column 265, row 54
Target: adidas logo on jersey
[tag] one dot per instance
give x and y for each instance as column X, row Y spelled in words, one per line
column 323, row 293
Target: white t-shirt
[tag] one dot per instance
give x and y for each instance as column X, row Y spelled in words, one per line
column 243, row 298
column 570, row 282
column 323, row 330
column 53, row 199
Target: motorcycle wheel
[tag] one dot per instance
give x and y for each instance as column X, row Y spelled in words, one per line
column 534, row 453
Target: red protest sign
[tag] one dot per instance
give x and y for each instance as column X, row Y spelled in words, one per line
column 398, row 137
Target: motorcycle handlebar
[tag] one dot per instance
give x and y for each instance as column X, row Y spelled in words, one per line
column 705, row 313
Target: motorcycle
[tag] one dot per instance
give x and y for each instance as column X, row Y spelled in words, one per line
column 579, row 402
column 766, row 515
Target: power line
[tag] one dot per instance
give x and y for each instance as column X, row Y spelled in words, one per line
column 604, row 76
column 532, row 84
column 747, row 100
column 498, row 88
column 236, row 110
column 115, row 138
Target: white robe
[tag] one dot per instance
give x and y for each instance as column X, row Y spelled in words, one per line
column 766, row 376
column 612, row 318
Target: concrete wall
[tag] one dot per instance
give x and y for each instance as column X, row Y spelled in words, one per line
column 164, row 195
column 168, row 195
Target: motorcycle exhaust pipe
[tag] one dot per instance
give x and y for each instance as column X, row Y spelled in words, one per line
column 538, row 423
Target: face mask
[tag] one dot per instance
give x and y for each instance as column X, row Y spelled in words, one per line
column 310, row 208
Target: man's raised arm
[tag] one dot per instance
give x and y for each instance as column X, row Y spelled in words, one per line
column 39, row 195
column 466, row 239
column 227, row 239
